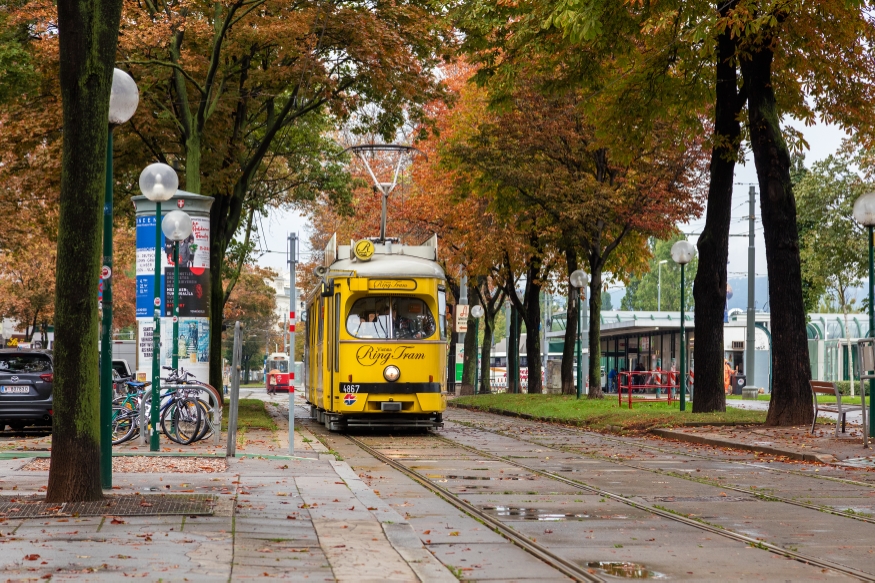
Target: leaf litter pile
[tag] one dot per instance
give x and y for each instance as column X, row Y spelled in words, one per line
column 150, row 465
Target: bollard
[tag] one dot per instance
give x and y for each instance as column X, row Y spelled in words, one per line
column 235, row 390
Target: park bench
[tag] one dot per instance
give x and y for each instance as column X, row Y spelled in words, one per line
column 829, row 388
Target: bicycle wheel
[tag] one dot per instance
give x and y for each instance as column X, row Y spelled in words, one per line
column 182, row 421
column 207, row 416
column 124, row 424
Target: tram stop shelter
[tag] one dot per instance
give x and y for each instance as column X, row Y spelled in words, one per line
column 652, row 339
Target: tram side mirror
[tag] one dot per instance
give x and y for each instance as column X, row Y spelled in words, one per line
column 327, row 288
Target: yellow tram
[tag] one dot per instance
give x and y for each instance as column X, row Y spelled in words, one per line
column 376, row 347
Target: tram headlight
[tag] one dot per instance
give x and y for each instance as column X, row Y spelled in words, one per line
column 391, row 373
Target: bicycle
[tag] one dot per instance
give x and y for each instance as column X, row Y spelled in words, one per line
column 180, row 414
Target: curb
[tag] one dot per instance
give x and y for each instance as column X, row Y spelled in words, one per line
column 824, row 458
column 44, row 454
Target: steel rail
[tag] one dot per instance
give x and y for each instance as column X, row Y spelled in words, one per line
column 718, row 530
column 538, row 551
column 690, row 478
column 569, row 428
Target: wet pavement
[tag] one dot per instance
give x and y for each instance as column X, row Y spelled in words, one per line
column 813, row 511
column 616, row 507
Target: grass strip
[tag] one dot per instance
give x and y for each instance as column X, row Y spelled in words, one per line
column 251, row 414
column 605, row 414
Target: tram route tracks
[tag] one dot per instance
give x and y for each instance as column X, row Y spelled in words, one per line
column 664, row 513
column 682, row 476
column 561, row 427
column 539, row 551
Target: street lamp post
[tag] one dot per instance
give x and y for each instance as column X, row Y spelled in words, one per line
column 659, row 286
column 477, row 313
column 158, row 182
column 123, row 100
column 176, row 227
column 683, row 252
column 864, row 213
column 579, row 280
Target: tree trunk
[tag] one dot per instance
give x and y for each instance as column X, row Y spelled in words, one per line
column 533, row 337
column 595, row 346
column 486, row 353
column 470, row 358
column 513, row 353
column 709, row 289
column 88, row 36
column 32, row 331
column 571, row 317
column 791, row 399
column 217, row 293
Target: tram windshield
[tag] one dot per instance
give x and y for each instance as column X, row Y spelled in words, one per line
column 280, row 365
column 390, row 318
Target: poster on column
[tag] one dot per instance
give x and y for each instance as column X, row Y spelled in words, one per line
column 194, row 292
column 146, row 266
column 193, row 345
column 194, row 276
column 144, row 349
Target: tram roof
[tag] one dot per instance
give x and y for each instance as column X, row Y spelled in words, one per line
column 391, row 261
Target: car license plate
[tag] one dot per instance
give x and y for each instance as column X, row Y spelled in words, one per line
column 7, row 390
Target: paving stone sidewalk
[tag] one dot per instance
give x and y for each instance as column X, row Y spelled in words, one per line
column 276, row 517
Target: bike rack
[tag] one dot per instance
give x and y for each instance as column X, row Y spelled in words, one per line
column 215, row 421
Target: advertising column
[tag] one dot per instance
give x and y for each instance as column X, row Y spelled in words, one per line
column 194, row 287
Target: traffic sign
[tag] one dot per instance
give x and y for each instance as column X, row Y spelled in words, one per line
column 105, row 272
column 462, row 318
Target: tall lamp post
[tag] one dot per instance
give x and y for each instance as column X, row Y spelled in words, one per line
column 659, row 285
column 683, row 252
column 579, row 280
column 477, row 313
column 158, row 182
column 176, row 227
column 864, row 213
column 123, row 100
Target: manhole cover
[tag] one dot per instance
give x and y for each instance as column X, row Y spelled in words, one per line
column 699, row 499
column 136, row 505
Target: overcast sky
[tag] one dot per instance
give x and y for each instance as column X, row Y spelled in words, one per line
column 823, row 140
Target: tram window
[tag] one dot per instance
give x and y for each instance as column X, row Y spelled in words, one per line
column 369, row 318
column 336, row 332
column 390, row 318
column 442, row 313
column 280, row 365
column 321, row 311
column 411, row 318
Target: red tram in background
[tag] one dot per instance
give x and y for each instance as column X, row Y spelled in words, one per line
column 278, row 376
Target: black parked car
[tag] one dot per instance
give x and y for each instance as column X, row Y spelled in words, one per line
column 25, row 388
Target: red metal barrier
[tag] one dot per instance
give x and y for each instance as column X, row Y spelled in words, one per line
column 643, row 380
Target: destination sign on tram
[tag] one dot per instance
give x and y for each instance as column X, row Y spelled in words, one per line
column 392, row 284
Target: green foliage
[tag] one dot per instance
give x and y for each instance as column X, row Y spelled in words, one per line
column 833, row 246
column 643, row 293
column 844, row 388
column 606, row 301
column 253, row 302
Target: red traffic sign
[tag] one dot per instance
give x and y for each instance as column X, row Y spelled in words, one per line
column 105, row 272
